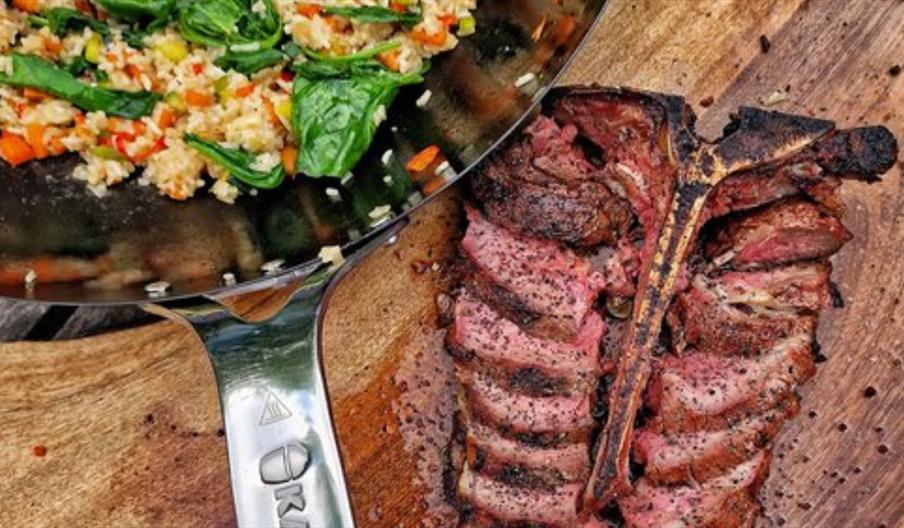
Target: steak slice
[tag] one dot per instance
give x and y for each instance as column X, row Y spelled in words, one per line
column 785, row 232
column 481, row 336
column 540, row 275
column 515, row 413
column 511, row 504
column 543, row 185
column 491, row 453
column 703, row 391
column 796, row 287
column 746, row 313
column 728, row 501
column 699, row 456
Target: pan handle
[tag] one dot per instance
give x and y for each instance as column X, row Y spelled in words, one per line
column 285, row 464
column 284, row 460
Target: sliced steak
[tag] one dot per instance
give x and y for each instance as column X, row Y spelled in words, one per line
column 700, row 456
column 785, row 232
column 544, row 277
column 543, row 185
column 515, row 413
column 728, row 501
column 703, row 391
column 507, row 503
column 490, row 452
column 798, row 287
column 481, row 336
column 702, row 317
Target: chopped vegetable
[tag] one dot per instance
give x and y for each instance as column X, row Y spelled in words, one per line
column 309, row 10
column 93, row 48
column 174, row 49
column 60, row 20
column 467, row 26
column 14, row 149
column 238, row 163
column 107, row 152
column 333, row 104
column 197, row 98
column 289, row 159
column 420, row 161
column 374, row 14
column 251, row 62
column 77, row 66
column 30, row 71
column 34, row 134
column 144, row 12
column 430, row 39
column 228, row 23
column 30, row 6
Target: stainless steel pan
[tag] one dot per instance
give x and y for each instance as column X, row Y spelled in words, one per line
column 285, row 465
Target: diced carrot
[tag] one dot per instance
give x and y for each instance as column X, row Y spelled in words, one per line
column 79, row 119
column 398, row 7
column 133, row 71
column 309, row 10
column 390, row 59
column 422, row 159
column 289, row 157
column 53, row 45
column 244, row 91
column 34, row 134
column 271, row 111
column 430, row 39
column 112, row 57
column 196, row 98
column 197, row 68
column 14, row 149
column 167, row 118
column 26, row 5
column 448, row 20
column 138, row 127
column 33, row 94
column 432, row 185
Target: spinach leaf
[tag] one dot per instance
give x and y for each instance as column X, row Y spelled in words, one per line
column 62, row 19
column 367, row 53
column 333, row 109
column 238, row 162
column 375, row 14
column 139, row 11
column 248, row 63
column 229, row 23
column 77, row 66
column 34, row 72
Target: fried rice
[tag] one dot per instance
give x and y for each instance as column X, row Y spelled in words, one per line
column 248, row 112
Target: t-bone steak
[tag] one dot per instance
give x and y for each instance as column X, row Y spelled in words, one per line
column 629, row 292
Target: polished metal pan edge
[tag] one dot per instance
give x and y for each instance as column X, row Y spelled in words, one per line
column 449, row 90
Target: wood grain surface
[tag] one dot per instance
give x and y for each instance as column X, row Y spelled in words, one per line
column 130, row 423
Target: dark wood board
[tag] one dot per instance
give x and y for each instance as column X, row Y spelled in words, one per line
column 130, row 419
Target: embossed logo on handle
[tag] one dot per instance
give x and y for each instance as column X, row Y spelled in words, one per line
column 281, row 466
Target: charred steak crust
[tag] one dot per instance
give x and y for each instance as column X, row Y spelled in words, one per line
column 733, row 261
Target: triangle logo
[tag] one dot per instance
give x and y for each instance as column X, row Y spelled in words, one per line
column 274, row 410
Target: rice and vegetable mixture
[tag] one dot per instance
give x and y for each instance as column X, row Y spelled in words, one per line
column 224, row 95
